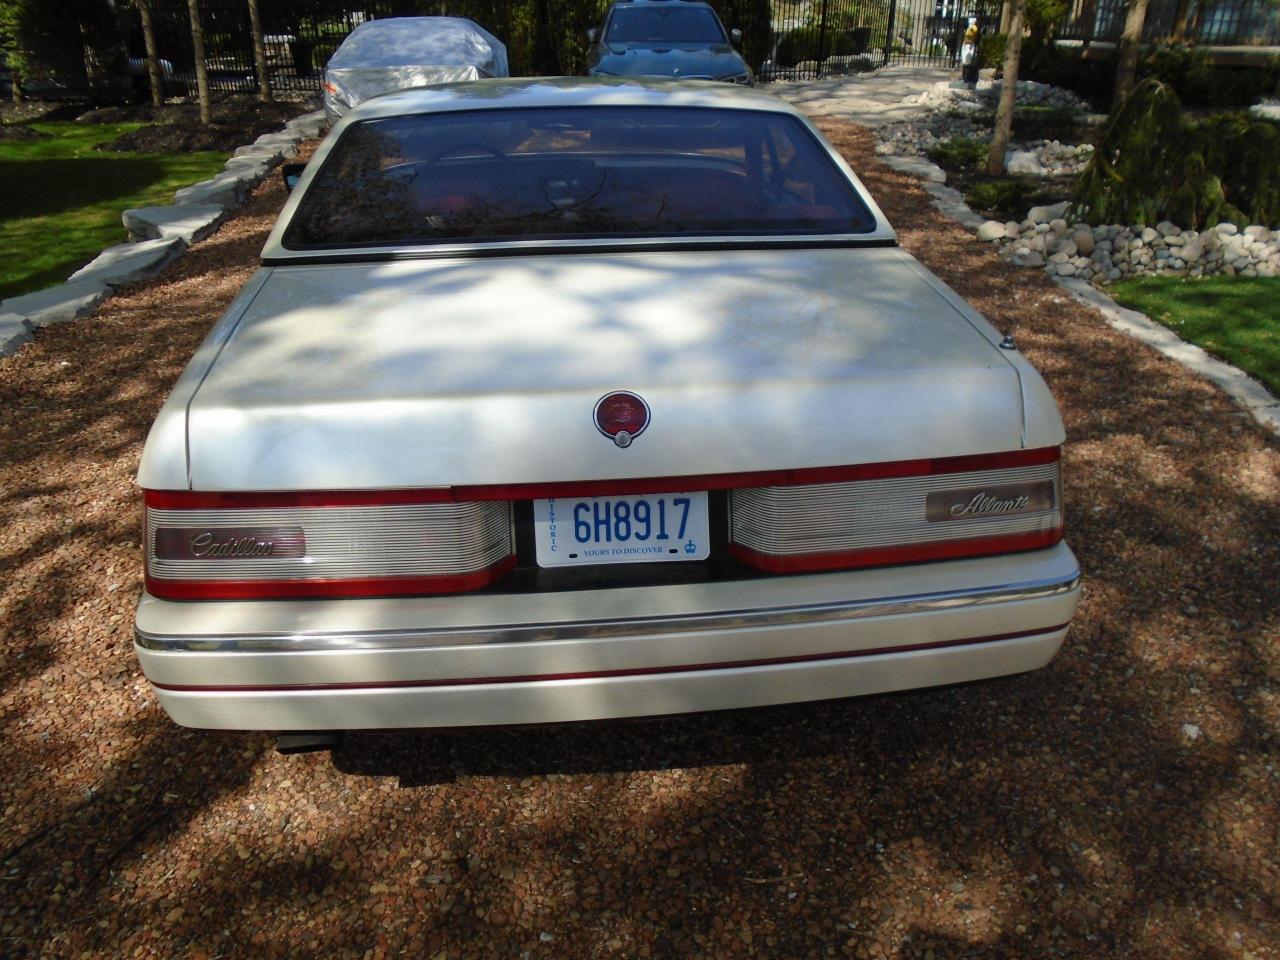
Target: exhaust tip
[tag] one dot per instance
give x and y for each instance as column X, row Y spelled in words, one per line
column 307, row 742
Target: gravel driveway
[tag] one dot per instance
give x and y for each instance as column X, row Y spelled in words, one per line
column 1120, row 803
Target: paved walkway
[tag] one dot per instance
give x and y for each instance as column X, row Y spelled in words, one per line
column 871, row 99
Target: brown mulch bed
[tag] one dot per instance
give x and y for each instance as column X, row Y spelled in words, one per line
column 176, row 128
column 1013, row 204
column 1066, row 813
column 19, row 133
column 27, row 111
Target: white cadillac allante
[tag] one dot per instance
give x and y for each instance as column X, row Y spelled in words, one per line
column 569, row 399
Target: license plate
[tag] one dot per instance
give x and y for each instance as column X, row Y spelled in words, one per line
column 579, row 531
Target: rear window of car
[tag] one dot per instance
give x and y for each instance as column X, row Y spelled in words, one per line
column 574, row 173
column 663, row 25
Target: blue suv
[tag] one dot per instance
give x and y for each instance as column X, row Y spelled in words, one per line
column 666, row 38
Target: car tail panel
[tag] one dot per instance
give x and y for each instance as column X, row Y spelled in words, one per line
column 997, row 505
column 359, row 547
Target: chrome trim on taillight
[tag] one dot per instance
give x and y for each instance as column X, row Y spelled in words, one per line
column 867, row 515
column 340, row 543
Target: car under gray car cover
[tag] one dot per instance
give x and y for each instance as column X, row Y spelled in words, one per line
column 401, row 52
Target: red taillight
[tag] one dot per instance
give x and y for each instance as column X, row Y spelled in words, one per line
column 887, row 556
column 969, row 507
column 229, row 546
column 268, row 546
column 350, row 587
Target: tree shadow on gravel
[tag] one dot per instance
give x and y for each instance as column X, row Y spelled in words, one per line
column 94, row 776
column 68, row 871
column 1048, row 813
column 1044, row 813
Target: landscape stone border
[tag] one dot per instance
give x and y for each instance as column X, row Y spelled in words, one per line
column 1114, row 251
column 158, row 235
column 1234, row 382
column 948, row 200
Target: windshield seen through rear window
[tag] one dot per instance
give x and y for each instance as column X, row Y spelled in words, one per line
column 586, row 172
column 663, row 25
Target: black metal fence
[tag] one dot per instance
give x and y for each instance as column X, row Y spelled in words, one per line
column 813, row 38
column 929, row 32
column 296, row 45
column 784, row 39
column 1217, row 22
column 542, row 36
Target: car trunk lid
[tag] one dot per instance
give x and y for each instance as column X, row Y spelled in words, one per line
column 487, row 370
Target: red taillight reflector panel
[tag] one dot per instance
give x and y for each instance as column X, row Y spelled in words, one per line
column 980, row 510
column 350, row 587
column 184, row 499
column 189, row 500
column 886, row 556
column 371, row 549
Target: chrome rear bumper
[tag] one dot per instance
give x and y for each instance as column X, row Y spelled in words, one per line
column 502, row 659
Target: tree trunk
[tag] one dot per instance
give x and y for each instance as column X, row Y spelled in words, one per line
column 1008, row 92
column 153, row 56
column 202, row 71
column 106, row 64
column 259, row 52
column 1196, row 21
column 1127, row 54
column 15, row 79
column 1006, row 11
column 544, row 51
column 1089, row 15
column 1181, row 17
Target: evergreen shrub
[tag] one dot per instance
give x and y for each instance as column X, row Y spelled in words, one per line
column 991, row 49
column 1199, row 83
column 959, row 152
column 1011, row 194
column 801, row 43
column 1190, row 72
column 1152, row 163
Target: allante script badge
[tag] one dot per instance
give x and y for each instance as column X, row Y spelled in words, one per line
column 975, row 502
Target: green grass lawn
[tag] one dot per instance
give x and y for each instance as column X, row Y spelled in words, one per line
column 1235, row 318
column 61, row 200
